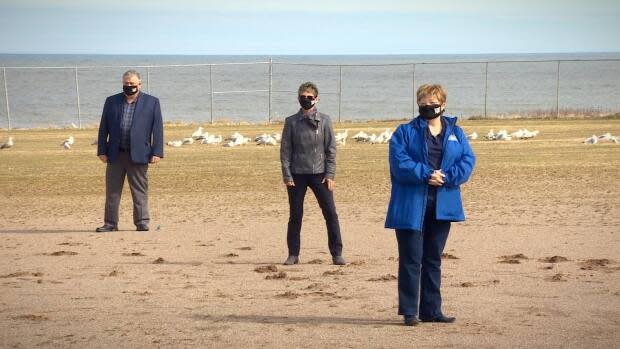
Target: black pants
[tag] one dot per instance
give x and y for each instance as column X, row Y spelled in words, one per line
column 325, row 198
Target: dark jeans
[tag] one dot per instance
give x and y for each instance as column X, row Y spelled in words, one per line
column 325, row 198
column 419, row 268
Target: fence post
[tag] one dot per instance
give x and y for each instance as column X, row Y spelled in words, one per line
column 6, row 98
column 77, row 94
column 413, row 95
column 486, row 87
column 148, row 80
column 211, row 90
column 270, row 88
column 340, row 93
column 557, row 93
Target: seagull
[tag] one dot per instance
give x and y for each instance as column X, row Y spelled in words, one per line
column 374, row 139
column 490, row 136
column 519, row 133
column 267, row 141
column 8, row 144
column 74, row 125
column 257, row 138
column 68, row 142
column 341, row 137
column 591, row 140
column 502, row 135
column 234, row 136
column 277, row 136
column 240, row 140
column 212, row 140
column 229, row 144
column 197, row 133
column 203, row 136
column 361, row 137
column 473, row 136
column 188, row 140
column 529, row 134
column 175, row 144
column 386, row 135
column 608, row 137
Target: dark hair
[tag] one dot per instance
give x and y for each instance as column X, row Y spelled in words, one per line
column 308, row 86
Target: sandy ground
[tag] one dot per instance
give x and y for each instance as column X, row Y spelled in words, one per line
column 535, row 265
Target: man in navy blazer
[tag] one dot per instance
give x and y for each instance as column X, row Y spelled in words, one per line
column 131, row 135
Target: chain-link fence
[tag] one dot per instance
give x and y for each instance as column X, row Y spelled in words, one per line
column 266, row 91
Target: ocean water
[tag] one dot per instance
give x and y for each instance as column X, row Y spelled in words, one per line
column 365, row 87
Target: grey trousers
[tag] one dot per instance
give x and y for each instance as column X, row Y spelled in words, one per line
column 138, row 184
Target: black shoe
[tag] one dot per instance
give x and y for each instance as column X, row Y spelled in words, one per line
column 411, row 321
column 338, row 260
column 106, row 228
column 441, row 318
column 291, row 260
column 142, row 227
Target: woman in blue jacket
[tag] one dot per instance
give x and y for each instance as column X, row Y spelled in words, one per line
column 430, row 158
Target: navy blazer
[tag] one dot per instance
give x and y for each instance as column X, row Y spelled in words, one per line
column 147, row 129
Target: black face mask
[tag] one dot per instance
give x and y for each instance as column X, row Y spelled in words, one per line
column 429, row 112
column 130, row 90
column 306, row 102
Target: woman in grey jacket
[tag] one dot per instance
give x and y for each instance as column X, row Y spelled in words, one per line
column 308, row 158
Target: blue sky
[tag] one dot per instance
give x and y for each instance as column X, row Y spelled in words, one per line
column 308, row 27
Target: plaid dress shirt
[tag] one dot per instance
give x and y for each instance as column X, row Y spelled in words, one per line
column 126, row 119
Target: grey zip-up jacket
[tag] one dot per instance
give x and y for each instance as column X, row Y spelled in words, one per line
column 308, row 146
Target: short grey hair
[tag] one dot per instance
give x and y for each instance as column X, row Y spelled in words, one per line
column 130, row 73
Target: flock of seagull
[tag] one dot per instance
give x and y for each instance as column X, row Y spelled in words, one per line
column 234, row 140
column 237, row 139
column 503, row 135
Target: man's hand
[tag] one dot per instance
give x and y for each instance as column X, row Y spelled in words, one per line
column 103, row 158
column 437, row 178
column 331, row 184
column 289, row 184
column 154, row 159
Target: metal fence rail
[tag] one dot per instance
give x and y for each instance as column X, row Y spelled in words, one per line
column 269, row 80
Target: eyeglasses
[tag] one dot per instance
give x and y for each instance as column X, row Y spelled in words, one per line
column 311, row 98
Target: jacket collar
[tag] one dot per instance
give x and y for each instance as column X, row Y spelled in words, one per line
column 318, row 115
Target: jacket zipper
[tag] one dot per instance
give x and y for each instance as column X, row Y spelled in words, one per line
column 425, row 154
column 446, row 135
column 316, row 142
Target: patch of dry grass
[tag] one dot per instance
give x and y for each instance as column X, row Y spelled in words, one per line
column 38, row 169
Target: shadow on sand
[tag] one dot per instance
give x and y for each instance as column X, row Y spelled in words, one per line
column 290, row 320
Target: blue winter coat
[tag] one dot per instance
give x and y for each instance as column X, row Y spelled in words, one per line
column 410, row 172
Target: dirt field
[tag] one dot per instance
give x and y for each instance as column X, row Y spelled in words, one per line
column 536, row 264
